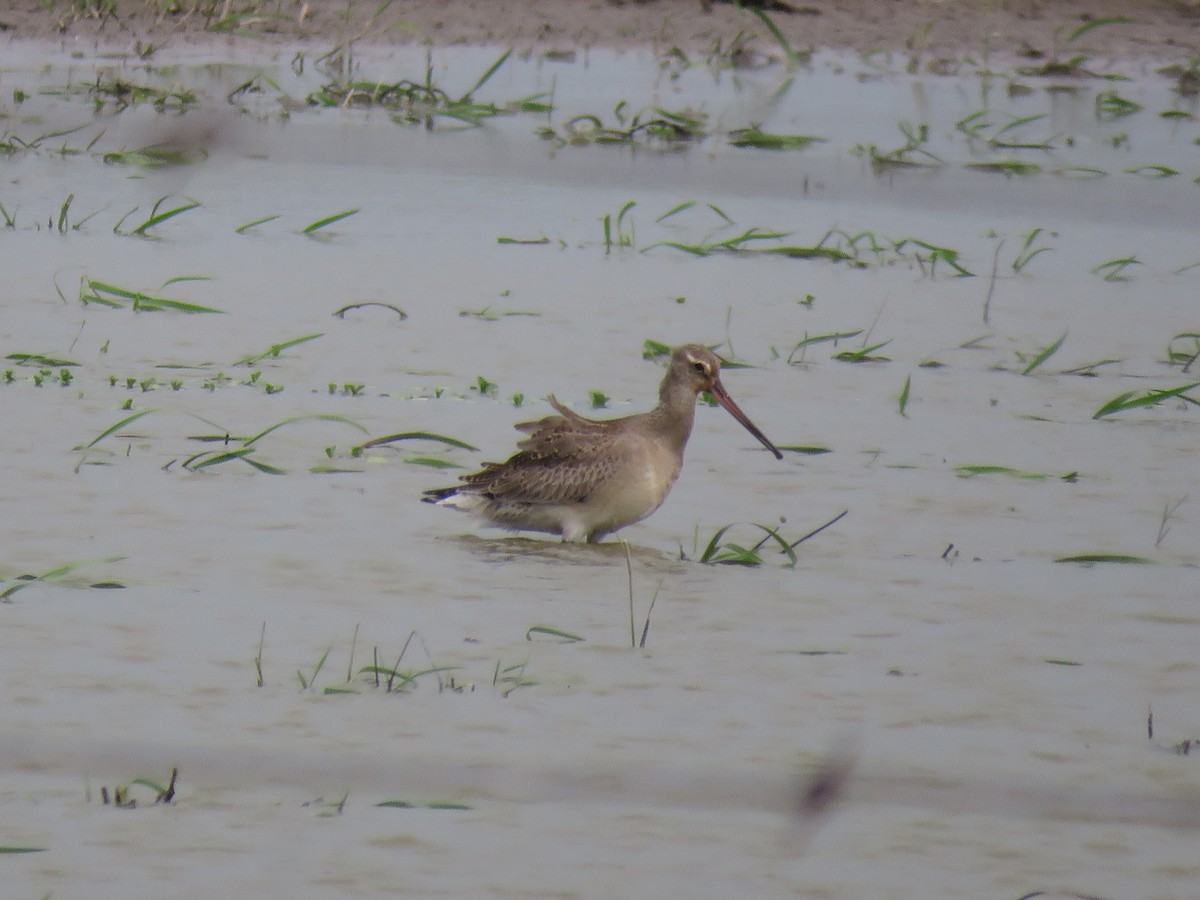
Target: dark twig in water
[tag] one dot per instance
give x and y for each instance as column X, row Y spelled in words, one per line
column 987, row 300
column 817, row 531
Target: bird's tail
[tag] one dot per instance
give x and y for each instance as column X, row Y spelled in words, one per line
column 437, row 495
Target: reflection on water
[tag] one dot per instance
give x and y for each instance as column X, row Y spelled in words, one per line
column 961, row 672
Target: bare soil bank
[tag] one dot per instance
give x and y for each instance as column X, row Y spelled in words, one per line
column 1167, row 30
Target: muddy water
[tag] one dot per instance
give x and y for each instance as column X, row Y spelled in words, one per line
column 993, row 701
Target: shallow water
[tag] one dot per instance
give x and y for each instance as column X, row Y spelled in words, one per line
column 994, row 701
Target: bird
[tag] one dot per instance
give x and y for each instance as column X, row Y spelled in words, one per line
column 585, row 478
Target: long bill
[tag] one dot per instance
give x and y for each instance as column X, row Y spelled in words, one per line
column 722, row 396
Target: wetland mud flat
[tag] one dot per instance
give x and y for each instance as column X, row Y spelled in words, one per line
column 946, row 647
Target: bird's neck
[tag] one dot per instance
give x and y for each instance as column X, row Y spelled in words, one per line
column 675, row 413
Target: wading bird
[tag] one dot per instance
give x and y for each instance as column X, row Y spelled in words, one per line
column 585, row 478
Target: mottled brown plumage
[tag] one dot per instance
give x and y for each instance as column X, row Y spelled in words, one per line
column 585, row 478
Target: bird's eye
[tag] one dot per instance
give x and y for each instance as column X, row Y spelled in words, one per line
column 700, row 367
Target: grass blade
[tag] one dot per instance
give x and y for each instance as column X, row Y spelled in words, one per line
column 55, row 573
column 564, row 636
column 275, row 349
column 1044, row 355
column 1134, row 400
column 157, row 218
column 115, row 428
column 329, row 220
column 418, row 436
column 1091, row 559
column 321, row 417
column 483, row 79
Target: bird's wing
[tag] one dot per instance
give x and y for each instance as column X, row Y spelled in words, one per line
column 563, row 460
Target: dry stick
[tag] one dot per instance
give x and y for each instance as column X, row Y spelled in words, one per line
column 629, row 569
column 392, row 675
column 258, row 659
column 1188, row 364
column 987, row 300
column 817, row 531
column 646, row 627
column 350, row 665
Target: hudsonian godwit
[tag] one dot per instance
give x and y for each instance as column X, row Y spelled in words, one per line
column 585, row 478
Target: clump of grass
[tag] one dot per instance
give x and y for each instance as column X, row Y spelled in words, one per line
column 975, row 471
column 103, row 293
column 720, row 551
column 650, row 128
column 1111, row 106
column 977, row 125
column 155, row 218
column 54, row 574
column 748, row 243
column 1028, row 251
column 274, row 350
column 1114, row 269
column 1140, row 399
column 243, row 451
column 755, row 137
column 807, row 341
column 910, row 154
column 39, row 359
column 511, row 677
column 156, row 156
column 121, row 794
column 1044, row 354
column 1073, row 67
column 1182, row 350
column 423, row 102
column 114, row 93
column 618, row 232
column 935, row 255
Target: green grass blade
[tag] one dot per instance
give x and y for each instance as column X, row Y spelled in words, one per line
column 1096, row 23
column 765, row 140
column 157, row 218
column 58, row 572
column 1090, row 559
column 714, row 544
column 1133, row 400
column 329, row 220
column 794, row 59
column 291, row 420
column 564, row 636
column 113, row 429
column 432, row 462
column 483, row 79
column 275, row 349
column 1044, row 355
column 242, row 229
column 418, row 436
column 973, row 471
